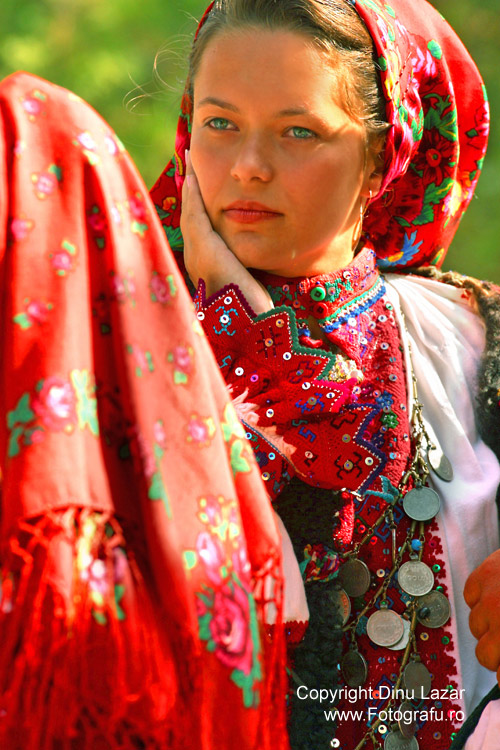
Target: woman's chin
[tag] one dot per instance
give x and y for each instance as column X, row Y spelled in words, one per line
column 254, row 252
column 278, row 256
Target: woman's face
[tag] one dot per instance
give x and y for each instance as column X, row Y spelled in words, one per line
column 280, row 164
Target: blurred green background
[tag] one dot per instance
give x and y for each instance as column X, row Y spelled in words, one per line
column 127, row 59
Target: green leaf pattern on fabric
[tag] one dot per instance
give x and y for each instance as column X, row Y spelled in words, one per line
column 231, row 426
column 238, row 461
column 22, row 413
column 86, row 403
column 228, row 597
column 233, row 433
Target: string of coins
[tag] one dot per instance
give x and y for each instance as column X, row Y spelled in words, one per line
column 426, row 605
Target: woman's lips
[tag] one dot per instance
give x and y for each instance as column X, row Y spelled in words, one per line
column 249, row 212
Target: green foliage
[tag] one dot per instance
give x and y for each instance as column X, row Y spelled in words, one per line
column 475, row 249
column 105, row 52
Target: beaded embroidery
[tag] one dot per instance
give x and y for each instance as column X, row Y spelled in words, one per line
column 337, row 420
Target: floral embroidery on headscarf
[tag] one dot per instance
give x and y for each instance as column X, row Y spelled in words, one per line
column 437, row 141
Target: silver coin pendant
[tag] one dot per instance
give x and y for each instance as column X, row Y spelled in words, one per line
column 385, row 627
column 354, row 668
column 408, row 722
column 421, row 503
column 395, row 741
column 342, row 603
column 415, row 578
column 403, row 642
column 417, row 679
column 440, row 464
column 433, row 610
column 354, row 575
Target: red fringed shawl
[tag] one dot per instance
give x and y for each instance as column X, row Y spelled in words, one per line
column 136, row 536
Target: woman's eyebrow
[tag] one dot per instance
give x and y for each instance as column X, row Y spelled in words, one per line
column 293, row 112
column 288, row 112
column 218, row 103
column 299, row 111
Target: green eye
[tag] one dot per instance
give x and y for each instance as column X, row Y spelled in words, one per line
column 219, row 123
column 302, row 133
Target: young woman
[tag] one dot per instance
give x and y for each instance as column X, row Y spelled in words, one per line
column 324, row 150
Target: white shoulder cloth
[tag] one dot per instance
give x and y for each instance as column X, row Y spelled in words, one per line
column 447, row 339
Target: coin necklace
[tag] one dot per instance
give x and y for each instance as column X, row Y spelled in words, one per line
column 428, row 607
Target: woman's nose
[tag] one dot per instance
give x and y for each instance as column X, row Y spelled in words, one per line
column 252, row 161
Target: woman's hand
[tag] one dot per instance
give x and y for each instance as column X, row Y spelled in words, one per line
column 207, row 256
column 482, row 594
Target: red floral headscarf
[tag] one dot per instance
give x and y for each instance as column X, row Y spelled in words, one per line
column 438, row 113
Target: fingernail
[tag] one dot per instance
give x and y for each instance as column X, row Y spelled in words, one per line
column 187, row 157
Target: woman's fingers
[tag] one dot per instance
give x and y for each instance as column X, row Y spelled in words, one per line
column 478, row 622
column 488, row 651
column 472, row 589
column 195, row 224
column 206, row 255
column 482, row 594
column 192, row 202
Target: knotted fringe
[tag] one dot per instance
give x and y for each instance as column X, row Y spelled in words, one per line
column 88, row 661
column 82, row 662
column 272, row 731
